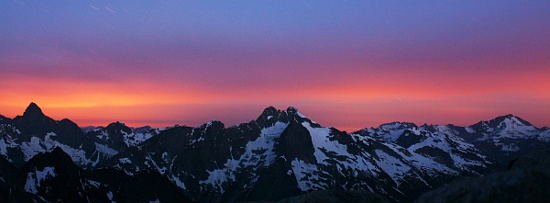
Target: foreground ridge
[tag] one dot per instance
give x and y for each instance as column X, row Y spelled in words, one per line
column 280, row 154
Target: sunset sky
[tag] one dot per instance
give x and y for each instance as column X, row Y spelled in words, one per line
column 347, row 64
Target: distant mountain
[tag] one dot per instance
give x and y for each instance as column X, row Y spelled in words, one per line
column 280, row 154
column 118, row 136
column 26, row 136
column 507, row 136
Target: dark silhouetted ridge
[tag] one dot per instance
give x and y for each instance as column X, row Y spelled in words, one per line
column 33, row 111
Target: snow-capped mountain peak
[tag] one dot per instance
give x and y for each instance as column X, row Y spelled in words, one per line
column 508, row 126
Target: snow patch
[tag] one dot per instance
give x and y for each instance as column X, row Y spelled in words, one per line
column 94, row 183
column 135, row 139
column 469, row 130
column 545, row 136
column 442, row 142
column 320, row 140
column 34, row 179
column 258, row 153
column 305, row 175
column 509, row 147
column 36, row 145
column 125, row 160
column 217, row 178
column 32, row 148
column 178, row 182
column 514, row 128
column 389, row 132
column 392, row 166
column 105, row 150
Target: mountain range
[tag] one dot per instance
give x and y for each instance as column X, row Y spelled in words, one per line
column 281, row 154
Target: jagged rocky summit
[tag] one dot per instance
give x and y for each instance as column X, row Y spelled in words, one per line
column 26, row 136
column 280, row 154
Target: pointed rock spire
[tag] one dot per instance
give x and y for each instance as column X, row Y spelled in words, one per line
column 269, row 112
column 295, row 143
column 33, row 111
column 35, row 123
column 292, row 110
column 270, row 116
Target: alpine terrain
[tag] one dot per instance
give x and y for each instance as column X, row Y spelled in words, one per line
column 282, row 155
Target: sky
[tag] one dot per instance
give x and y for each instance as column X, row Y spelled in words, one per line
column 344, row 64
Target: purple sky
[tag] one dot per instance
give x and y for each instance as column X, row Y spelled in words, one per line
column 348, row 64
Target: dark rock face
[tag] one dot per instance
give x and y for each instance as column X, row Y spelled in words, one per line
column 439, row 155
column 4, row 120
column 35, row 132
column 273, row 184
column 520, row 185
column 53, row 177
column 114, row 137
column 538, row 160
column 409, row 138
column 35, row 123
column 7, row 174
column 295, row 143
column 353, row 196
column 145, row 186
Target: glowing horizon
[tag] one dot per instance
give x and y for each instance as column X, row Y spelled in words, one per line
column 349, row 65
column 57, row 113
